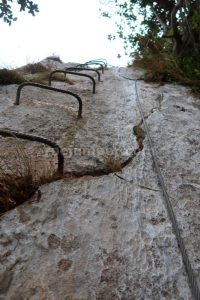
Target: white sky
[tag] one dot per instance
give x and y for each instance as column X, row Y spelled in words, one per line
column 71, row 29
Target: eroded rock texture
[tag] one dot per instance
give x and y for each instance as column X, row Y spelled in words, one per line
column 105, row 237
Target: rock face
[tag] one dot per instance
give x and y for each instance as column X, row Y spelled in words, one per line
column 105, row 237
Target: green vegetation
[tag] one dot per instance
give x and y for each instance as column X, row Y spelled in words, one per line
column 6, row 10
column 161, row 35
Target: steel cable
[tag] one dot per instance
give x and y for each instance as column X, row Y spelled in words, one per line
column 191, row 276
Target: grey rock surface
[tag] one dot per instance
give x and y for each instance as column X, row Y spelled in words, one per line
column 105, row 237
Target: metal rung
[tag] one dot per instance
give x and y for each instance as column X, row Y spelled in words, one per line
column 85, row 65
column 43, row 86
column 73, row 73
column 100, row 60
column 92, row 62
column 35, row 138
column 84, row 69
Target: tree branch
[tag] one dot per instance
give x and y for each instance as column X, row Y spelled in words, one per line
column 189, row 28
column 165, row 4
column 173, row 15
column 174, row 27
column 162, row 23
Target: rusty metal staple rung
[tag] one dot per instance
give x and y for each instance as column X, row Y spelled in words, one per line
column 43, row 86
column 91, row 63
column 73, row 73
column 35, row 138
column 84, row 69
column 95, row 63
column 102, row 61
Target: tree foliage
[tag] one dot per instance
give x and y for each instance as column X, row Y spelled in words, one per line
column 6, row 10
column 166, row 26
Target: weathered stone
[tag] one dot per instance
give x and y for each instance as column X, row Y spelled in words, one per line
column 106, row 237
column 5, row 281
column 64, row 264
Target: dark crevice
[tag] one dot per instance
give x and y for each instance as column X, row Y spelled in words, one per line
column 113, row 168
column 106, row 170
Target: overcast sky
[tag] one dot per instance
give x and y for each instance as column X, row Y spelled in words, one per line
column 71, row 29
